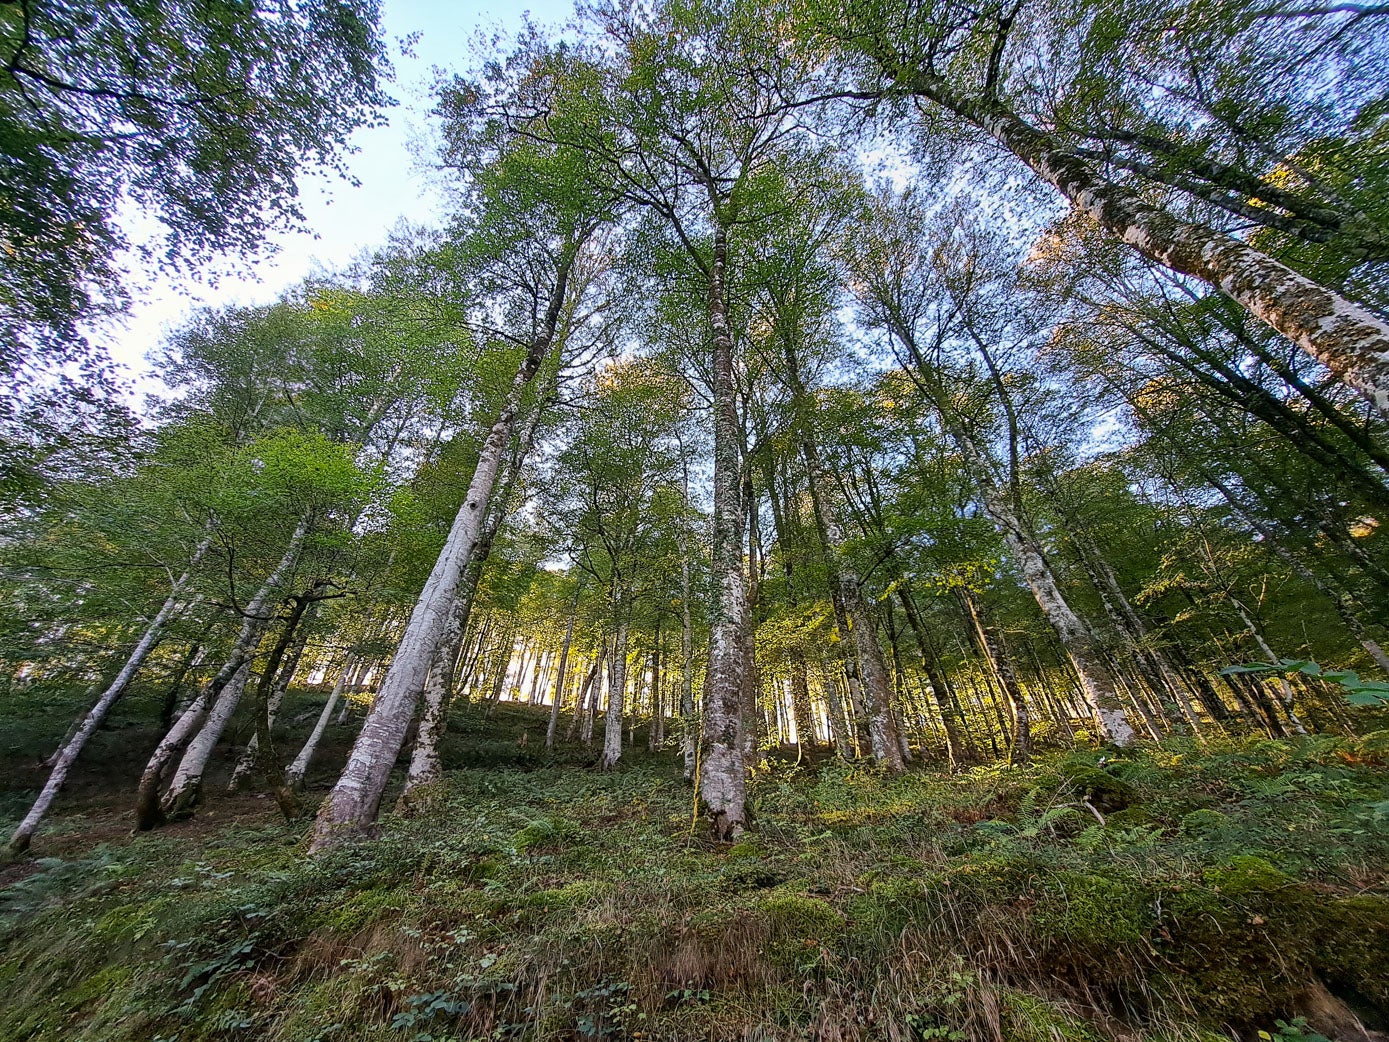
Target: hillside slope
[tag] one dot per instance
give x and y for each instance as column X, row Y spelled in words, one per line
column 1175, row 894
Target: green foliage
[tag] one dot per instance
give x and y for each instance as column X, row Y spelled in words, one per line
column 1358, row 692
column 200, row 116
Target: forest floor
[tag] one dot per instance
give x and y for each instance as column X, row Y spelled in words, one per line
column 1177, row 893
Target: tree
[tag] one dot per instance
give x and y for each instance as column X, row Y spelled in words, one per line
column 198, row 115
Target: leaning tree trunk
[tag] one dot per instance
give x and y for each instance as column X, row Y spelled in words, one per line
column 1097, row 681
column 294, row 773
column 355, row 801
column 858, row 631
column 67, row 755
column 722, row 774
column 688, row 718
column 1349, row 340
column 935, row 683
column 617, row 692
column 148, row 812
column 425, row 767
column 991, row 644
column 249, row 756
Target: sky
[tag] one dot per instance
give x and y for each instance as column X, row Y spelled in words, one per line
column 342, row 220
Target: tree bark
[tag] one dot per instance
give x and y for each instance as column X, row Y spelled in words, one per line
column 294, row 773
column 723, row 776
column 563, row 672
column 1349, row 340
column 148, row 812
column 617, row 692
column 353, row 805
column 72, row 748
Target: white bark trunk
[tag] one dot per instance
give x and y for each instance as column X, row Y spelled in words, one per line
column 67, row 755
column 147, row 803
column 617, row 696
column 185, row 788
column 355, row 801
column 294, row 773
column 722, row 776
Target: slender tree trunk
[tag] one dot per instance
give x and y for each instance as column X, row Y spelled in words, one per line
column 723, row 776
column 689, row 721
column 148, row 812
column 936, row 683
column 250, row 755
column 587, row 692
column 67, row 755
column 355, row 801
column 1349, row 340
column 995, row 654
column 1097, row 680
column 617, row 692
column 656, row 736
column 563, row 672
column 294, row 773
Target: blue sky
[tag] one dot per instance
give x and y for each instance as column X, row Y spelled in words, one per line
column 342, row 220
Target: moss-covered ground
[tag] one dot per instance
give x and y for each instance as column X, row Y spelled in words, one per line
column 1178, row 893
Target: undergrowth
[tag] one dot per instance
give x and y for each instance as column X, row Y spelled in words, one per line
column 1178, row 893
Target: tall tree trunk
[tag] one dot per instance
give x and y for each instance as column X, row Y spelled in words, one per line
column 148, row 812
column 689, row 721
column 995, row 654
column 656, row 736
column 723, row 776
column 1097, row 681
column 587, row 692
column 617, row 691
column 1349, row 340
column 936, row 683
column 563, row 671
column 67, row 755
column 355, row 801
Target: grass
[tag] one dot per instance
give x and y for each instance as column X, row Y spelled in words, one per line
column 1226, row 889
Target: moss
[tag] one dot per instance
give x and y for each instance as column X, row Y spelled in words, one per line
column 799, row 929
column 745, row 849
column 1130, row 818
column 1029, row 1018
column 887, row 907
column 1107, row 792
column 571, row 895
column 1092, row 911
column 1247, row 874
column 355, row 912
column 1352, row 945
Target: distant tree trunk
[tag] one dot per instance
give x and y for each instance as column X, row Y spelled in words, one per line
column 936, row 684
column 1096, row 679
column 88, row 725
column 196, row 653
column 294, row 773
column 148, row 812
column 617, row 692
column 586, row 694
column 991, row 645
column 563, row 672
column 185, row 789
column 657, row 735
column 249, row 756
column 353, row 805
column 688, row 719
